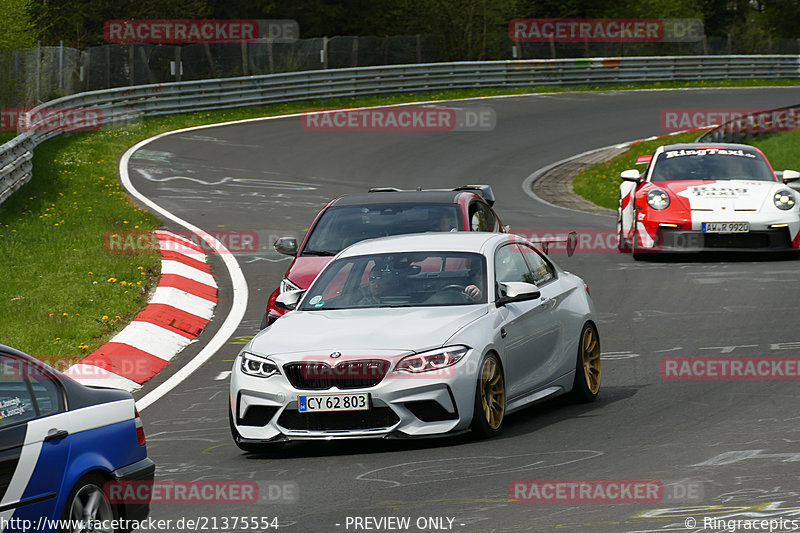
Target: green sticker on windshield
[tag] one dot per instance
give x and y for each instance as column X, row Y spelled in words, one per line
column 315, row 299
column 319, row 304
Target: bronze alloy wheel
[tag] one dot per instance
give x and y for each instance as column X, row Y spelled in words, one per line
column 492, row 391
column 590, row 355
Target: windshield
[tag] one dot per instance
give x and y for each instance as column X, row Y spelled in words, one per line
column 411, row 279
column 711, row 164
column 340, row 227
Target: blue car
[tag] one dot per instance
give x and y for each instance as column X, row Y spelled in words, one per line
column 60, row 444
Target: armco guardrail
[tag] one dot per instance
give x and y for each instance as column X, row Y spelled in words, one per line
column 147, row 100
column 757, row 124
column 746, row 127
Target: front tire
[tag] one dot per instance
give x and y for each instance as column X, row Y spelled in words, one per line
column 490, row 398
column 87, row 501
column 623, row 244
column 586, row 385
column 636, row 250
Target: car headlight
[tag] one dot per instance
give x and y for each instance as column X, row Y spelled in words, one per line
column 658, row 199
column 287, row 286
column 433, row 360
column 255, row 365
column 784, row 199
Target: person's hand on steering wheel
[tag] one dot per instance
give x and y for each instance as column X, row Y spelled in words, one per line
column 472, row 291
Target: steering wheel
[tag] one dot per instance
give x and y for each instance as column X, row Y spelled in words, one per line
column 452, row 287
column 456, row 288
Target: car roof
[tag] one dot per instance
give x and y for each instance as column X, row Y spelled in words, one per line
column 13, row 351
column 460, row 241
column 695, row 146
column 401, row 197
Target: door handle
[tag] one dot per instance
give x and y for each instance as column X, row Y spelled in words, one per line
column 548, row 303
column 56, row 434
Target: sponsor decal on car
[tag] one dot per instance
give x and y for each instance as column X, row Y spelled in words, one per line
column 708, row 151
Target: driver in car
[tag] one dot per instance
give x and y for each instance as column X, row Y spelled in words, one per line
column 382, row 282
column 473, row 289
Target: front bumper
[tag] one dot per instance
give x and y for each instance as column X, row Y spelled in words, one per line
column 272, row 312
column 676, row 240
column 401, row 405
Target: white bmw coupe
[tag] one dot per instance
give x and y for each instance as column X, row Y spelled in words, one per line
column 417, row 335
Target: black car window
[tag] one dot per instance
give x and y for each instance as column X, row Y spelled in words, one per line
column 711, row 164
column 481, row 217
column 27, row 391
column 542, row 271
column 510, row 265
column 16, row 396
column 47, row 394
column 339, row 227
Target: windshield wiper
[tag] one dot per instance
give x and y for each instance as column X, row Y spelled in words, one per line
column 322, row 253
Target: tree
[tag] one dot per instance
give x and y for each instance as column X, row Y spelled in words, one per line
column 16, row 30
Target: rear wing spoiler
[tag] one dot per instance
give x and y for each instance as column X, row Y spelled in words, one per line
column 484, row 190
column 571, row 242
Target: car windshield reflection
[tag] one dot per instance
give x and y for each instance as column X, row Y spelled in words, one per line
column 706, row 165
column 413, row 279
column 342, row 226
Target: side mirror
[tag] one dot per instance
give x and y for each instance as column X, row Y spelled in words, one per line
column 289, row 299
column 789, row 176
column 630, row 175
column 286, row 246
column 516, row 291
column 572, row 243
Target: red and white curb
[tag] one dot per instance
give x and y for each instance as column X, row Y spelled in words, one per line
column 177, row 312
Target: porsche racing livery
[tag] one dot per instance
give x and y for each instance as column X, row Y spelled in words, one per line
column 696, row 197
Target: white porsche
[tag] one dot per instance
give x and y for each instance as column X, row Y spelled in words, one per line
column 696, row 197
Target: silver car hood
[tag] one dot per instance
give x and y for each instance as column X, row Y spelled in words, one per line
column 399, row 329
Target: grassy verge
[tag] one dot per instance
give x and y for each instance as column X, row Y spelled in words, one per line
column 63, row 295
column 600, row 183
column 782, row 149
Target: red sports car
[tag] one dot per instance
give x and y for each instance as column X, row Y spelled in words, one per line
column 379, row 213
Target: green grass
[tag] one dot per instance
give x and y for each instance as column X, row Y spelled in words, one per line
column 62, row 294
column 6, row 136
column 782, row 149
column 600, row 183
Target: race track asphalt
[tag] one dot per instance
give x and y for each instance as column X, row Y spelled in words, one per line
column 722, row 449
